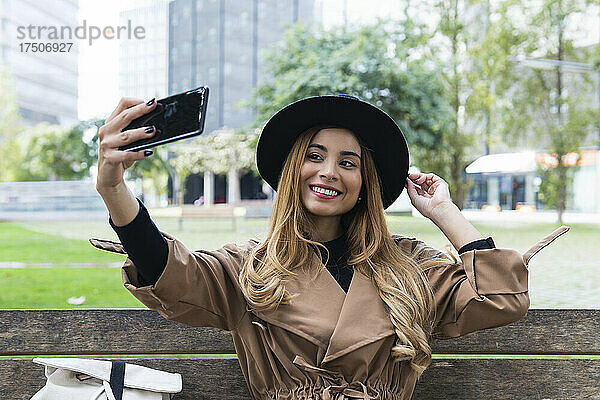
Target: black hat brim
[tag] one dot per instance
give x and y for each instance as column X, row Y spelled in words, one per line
column 376, row 129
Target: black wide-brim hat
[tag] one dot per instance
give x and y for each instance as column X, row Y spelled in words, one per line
column 376, row 129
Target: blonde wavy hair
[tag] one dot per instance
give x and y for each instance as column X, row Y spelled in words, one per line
column 399, row 277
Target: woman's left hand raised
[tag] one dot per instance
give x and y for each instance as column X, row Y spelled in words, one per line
column 432, row 199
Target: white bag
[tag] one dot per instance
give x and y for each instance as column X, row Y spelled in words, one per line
column 87, row 379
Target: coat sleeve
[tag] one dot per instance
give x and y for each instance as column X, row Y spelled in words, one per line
column 197, row 288
column 485, row 288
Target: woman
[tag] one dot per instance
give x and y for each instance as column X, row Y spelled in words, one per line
column 330, row 305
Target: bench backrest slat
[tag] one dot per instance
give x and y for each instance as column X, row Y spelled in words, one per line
column 541, row 331
column 128, row 331
column 220, row 379
column 104, row 331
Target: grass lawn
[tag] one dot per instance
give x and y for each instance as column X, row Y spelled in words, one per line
column 19, row 244
column 565, row 274
column 51, row 287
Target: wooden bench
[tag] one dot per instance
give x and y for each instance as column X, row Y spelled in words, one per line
column 131, row 332
column 215, row 211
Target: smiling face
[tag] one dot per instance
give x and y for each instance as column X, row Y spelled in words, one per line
column 330, row 176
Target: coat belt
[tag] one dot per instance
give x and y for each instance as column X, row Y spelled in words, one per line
column 336, row 383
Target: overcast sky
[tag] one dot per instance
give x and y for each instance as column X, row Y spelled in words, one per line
column 99, row 63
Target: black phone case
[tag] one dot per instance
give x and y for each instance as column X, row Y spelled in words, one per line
column 175, row 117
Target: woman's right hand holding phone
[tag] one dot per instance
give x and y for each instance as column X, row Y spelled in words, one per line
column 113, row 162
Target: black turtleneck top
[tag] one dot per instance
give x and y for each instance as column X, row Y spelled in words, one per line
column 337, row 264
column 148, row 250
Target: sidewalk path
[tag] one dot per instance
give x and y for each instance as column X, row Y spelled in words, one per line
column 549, row 217
column 537, row 216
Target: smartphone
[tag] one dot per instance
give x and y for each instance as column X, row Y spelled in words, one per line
column 176, row 117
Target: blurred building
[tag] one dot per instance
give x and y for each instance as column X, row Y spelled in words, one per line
column 510, row 180
column 45, row 82
column 143, row 63
column 221, row 44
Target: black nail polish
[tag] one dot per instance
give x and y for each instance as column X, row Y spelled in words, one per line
column 148, row 153
column 151, row 102
column 149, row 129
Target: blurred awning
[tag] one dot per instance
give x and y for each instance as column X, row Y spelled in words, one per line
column 503, row 163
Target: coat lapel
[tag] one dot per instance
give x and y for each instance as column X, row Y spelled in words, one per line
column 324, row 314
column 314, row 312
column 363, row 319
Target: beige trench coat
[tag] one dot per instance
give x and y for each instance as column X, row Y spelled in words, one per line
column 330, row 344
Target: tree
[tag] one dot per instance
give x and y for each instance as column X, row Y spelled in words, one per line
column 224, row 151
column 10, row 128
column 491, row 71
column 383, row 64
column 544, row 104
column 470, row 62
column 52, row 152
